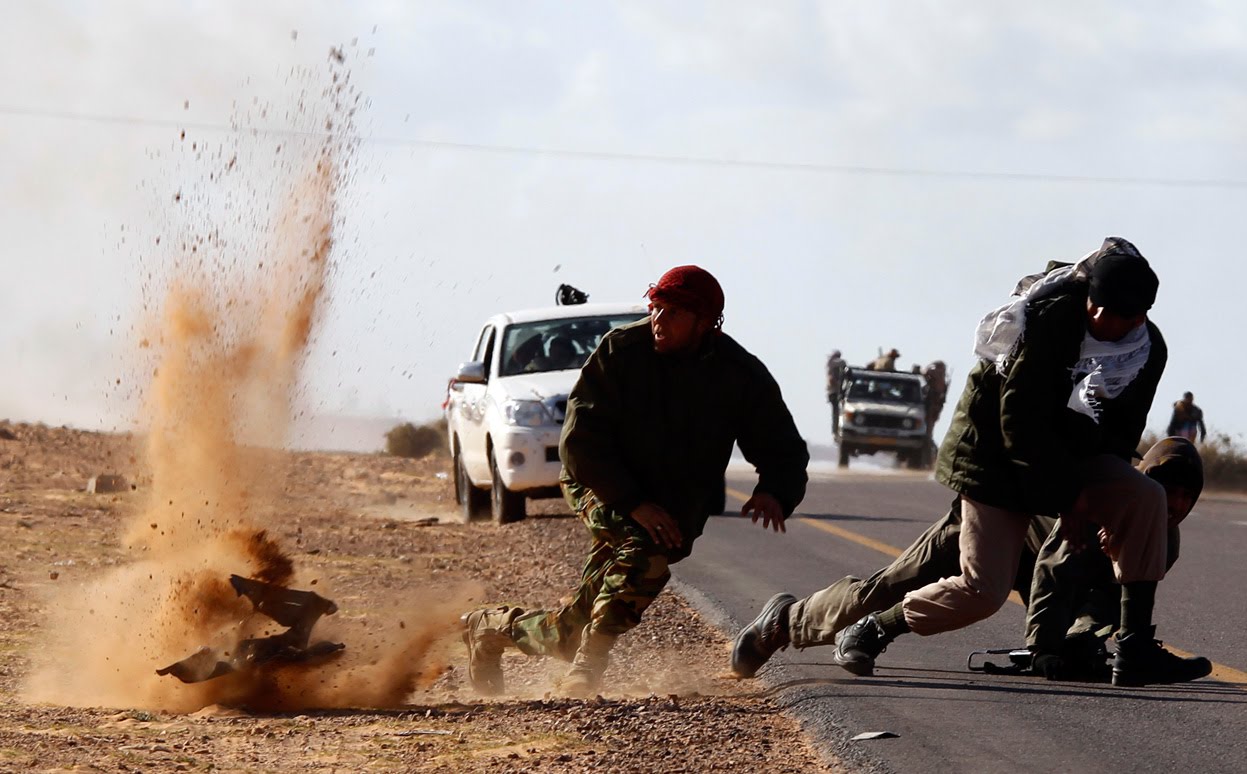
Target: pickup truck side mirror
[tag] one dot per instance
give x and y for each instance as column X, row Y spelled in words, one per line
column 471, row 373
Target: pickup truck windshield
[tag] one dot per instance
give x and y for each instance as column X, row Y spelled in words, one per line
column 555, row 345
column 885, row 389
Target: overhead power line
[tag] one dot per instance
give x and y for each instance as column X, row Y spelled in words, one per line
column 649, row 158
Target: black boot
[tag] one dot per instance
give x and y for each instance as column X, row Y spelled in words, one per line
column 858, row 645
column 758, row 641
column 1086, row 658
column 1141, row 660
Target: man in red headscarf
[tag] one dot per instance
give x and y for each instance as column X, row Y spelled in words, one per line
column 649, row 430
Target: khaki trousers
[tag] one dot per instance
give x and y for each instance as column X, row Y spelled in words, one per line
column 1128, row 505
column 816, row 619
column 1074, row 593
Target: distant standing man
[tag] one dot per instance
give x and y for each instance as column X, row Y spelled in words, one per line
column 884, row 362
column 835, row 383
column 649, row 430
column 1187, row 419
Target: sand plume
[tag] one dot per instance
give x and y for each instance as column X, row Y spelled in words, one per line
column 228, row 339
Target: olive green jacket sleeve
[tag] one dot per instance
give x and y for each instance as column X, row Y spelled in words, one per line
column 1042, row 438
column 589, row 444
column 1033, row 397
column 771, row 443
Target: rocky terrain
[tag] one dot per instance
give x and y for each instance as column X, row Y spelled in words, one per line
column 376, row 530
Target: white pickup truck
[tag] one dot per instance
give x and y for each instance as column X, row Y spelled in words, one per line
column 505, row 406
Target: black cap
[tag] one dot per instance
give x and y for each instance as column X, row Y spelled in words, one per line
column 1121, row 279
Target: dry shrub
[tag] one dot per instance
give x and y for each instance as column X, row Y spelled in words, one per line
column 416, row 441
column 1225, row 463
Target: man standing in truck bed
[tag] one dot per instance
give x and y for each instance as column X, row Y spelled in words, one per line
column 884, row 362
column 649, row 431
column 835, row 384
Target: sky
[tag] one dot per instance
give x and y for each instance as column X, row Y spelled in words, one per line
column 859, row 176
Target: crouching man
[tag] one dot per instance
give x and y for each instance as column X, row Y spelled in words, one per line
column 1074, row 599
column 649, row 430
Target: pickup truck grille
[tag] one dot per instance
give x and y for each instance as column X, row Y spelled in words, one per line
column 882, row 421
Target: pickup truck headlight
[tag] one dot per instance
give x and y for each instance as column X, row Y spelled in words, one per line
column 526, row 413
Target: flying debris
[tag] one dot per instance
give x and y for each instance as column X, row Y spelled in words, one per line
column 297, row 610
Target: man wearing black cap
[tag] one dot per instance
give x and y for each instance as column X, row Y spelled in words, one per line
column 1047, row 424
column 649, row 430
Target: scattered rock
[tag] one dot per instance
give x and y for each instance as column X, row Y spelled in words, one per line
column 7, row 435
column 107, row 483
column 868, row 735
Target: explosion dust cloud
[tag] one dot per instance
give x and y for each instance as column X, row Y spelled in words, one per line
column 227, row 338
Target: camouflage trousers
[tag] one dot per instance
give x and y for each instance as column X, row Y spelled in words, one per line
column 623, row 575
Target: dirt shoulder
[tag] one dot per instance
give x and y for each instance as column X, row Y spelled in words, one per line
column 362, row 525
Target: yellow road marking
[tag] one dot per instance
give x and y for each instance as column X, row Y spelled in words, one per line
column 1220, row 672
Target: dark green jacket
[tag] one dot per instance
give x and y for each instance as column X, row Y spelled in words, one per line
column 645, row 427
column 1013, row 443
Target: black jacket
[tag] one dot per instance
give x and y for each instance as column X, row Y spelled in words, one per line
column 649, row 427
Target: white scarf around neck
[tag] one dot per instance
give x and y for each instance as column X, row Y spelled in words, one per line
column 1104, row 368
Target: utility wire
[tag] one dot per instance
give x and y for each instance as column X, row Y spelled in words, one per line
column 695, row 161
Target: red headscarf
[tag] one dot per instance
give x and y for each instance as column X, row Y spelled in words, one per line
column 692, row 288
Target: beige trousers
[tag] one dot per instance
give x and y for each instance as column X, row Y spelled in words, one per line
column 1128, row 505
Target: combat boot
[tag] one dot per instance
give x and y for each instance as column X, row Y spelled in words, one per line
column 585, row 677
column 1141, row 660
column 758, row 641
column 859, row 644
column 486, row 633
column 1086, row 658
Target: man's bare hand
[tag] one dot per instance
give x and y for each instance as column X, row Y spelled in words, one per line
column 658, row 523
column 768, row 508
column 1109, row 545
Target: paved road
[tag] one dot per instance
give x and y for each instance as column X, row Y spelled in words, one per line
column 951, row 720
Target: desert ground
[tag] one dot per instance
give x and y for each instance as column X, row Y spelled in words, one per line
column 375, row 531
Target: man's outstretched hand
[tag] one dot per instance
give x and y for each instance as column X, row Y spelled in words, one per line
column 766, row 507
column 658, row 523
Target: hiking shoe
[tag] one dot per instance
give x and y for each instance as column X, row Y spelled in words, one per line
column 1141, row 660
column 859, row 644
column 758, row 641
column 485, row 644
column 592, row 657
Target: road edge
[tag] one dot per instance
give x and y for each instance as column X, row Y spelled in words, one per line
column 815, row 712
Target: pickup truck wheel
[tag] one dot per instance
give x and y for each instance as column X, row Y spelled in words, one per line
column 844, row 455
column 473, row 501
column 914, row 459
column 505, row 505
